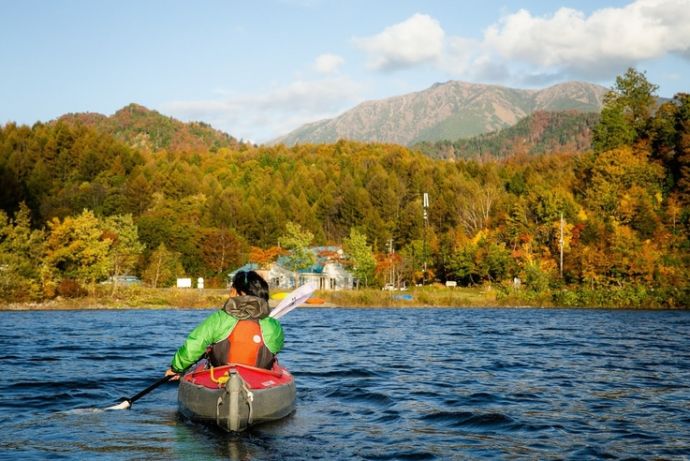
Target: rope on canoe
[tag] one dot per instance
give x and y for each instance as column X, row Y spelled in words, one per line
column 221, row 379
column 250, row 402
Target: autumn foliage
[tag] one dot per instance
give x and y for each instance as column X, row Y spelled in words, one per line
column 80, row 205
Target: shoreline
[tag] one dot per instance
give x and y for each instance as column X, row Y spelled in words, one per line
column 144, row 298
column 61, row 308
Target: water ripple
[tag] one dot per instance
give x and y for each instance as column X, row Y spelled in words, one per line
column 372, row 384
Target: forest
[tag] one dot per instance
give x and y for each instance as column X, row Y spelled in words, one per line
column 607, row 225
column 539, row 133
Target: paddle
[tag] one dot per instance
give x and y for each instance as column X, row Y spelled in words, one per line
column 292, row 300
column 127, row 403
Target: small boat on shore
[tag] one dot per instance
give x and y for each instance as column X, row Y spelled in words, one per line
column 315, row 300
column 235, row 397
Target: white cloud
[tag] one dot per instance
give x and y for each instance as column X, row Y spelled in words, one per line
column 592, row 46
column 263, row 116
column 328, row 63
column 522, row 47
column 417, row 40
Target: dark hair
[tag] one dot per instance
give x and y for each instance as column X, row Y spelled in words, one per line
column 250, row 283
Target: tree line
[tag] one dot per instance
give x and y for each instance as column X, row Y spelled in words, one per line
column 539, row 133
column 78, row 205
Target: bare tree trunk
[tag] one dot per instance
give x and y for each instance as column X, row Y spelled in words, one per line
column 158, row 272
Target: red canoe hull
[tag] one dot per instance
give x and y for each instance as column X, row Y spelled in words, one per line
column 235, row 397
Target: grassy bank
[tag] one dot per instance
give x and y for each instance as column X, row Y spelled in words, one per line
column 157, row 298
column 428, row 296
column 131, row 297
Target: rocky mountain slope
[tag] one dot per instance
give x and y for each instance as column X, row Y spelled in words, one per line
column 447, row 111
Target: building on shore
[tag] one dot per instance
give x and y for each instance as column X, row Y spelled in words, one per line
column 328, row 271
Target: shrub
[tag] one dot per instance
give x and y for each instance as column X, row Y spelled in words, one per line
column 69, row 288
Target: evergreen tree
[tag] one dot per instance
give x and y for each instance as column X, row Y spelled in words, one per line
column 626, row 113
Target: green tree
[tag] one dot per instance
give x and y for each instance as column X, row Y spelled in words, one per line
column 297, row 241
column 481, row 260
column 361, row 256
column 613, row 130
column 670, row 134
column 638, row 97
column 626, row 113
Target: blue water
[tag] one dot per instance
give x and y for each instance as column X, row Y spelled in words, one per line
column 372, row 384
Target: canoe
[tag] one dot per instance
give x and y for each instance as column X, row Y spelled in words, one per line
column 314, row 300
column 403, row 297
column 235, row 397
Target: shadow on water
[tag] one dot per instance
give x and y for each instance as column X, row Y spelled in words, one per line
column 200, row 441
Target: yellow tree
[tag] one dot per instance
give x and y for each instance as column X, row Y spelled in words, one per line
column 163, row 267
column 20, row 248
column 125, row 247
column 77, row 250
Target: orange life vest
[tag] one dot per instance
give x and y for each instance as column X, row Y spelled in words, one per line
column 244, row 345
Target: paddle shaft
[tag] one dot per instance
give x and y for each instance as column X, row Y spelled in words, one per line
column 139, row 395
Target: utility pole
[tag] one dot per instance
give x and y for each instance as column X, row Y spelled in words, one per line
column 561, row 245
column 425, row 208
column 390, row 257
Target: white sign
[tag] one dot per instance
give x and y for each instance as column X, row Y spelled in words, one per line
column 451, row 283
column 184, row 283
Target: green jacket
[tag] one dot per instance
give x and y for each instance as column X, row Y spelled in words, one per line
column 217, row 327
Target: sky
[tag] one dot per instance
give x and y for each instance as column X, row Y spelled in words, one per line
column 259, row 69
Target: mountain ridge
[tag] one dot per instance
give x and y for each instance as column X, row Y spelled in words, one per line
column 446, row 111
column 147, row 129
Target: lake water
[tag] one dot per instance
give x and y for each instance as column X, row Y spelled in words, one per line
column 372, row 384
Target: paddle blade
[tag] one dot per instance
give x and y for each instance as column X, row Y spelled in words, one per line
column 294, row 299
column 124, row 405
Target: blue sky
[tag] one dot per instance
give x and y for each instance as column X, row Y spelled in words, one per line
column 258, row 69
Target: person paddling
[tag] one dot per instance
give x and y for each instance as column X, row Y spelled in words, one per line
column 240, row 332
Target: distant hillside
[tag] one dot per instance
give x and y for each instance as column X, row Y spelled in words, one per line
column 446, row 111
column 541, row 132
column 147, row 129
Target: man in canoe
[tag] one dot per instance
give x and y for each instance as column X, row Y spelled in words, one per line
column 240, row 332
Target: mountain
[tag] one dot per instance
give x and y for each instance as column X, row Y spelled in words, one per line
column 538, row 133
column 446, row 111
column 147, row 129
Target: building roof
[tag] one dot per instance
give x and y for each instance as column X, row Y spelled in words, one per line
column 322, row 255
column 246, row 268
